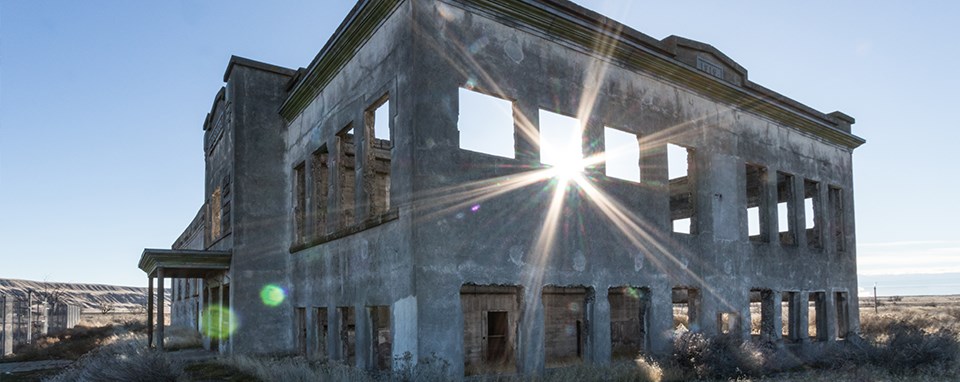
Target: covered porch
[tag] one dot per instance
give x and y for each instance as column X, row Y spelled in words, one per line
column 175, row 264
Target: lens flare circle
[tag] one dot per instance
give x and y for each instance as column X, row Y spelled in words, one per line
column 272, row 295
column 219, row 322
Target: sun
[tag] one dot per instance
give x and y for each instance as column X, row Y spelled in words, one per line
column 568, row 168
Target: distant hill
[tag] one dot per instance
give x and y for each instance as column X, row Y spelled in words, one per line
column 89, row 296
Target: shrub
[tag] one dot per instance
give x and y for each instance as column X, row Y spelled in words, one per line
column 125, row 359
column 910, row 349
column 723, row 357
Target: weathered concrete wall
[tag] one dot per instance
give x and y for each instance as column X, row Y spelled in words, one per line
column 320, row 229
column 497, row 245
column 260, row 213
column 374, row 266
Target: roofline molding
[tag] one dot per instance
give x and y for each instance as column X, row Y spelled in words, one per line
column 588, row 32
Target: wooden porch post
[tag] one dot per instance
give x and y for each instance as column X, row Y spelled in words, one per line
column 149, row 311
column 160, row 303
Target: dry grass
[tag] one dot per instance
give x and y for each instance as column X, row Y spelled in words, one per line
column 911, row 339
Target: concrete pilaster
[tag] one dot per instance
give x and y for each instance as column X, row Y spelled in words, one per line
column 771, row 327
column 801, row 306
column 799, row 218
column 598, row 333
column 531, row 344
column 526, row 116
column 659, row 321
column 717, row 194
column 768, row 213
column 829, row 311
column 363, row 341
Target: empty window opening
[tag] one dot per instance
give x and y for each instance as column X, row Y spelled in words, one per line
column 686, row 309
column 622, row 154
column 300, row 203
column 382, row 340
column 300, row 327
column 497, row 334
column 320, row 174
column 728, row 322
column 348, row 335
column 347, row 176
column 215, row 214
column 811, row 204
column 323, row 328
column 835, row 196
column 790, row 313
column 379, row 156
column 843, row 314
column 678, row 161
column 564, row 312
column 490, row 322
column 682, row 201
column 786, row 210
column 818, row 316
column 486, row 124
column 381, row 119
column 561, row 140
column 756, row 180
column 682, row 225
column 629, row 309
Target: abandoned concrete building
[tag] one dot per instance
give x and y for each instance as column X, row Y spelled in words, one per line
column 511, row 186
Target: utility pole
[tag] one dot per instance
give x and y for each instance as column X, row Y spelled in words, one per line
column 876, row 306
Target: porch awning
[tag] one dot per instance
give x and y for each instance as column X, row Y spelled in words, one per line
column 177, row 263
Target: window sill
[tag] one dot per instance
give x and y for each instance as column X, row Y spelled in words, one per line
column 370, row 222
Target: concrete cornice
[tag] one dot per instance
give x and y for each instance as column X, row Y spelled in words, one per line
column 355, row 30
column 242, row 61
column 587, row 31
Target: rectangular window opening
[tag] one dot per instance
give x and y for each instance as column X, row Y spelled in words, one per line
column 622, row 154
column 348, row 335
column 346, row 176
column 300, row 325
column 323, row 328
column 818, row 316
column 811, row 204
column 561, row 141
column 379, row 156
column 629, row 321
column 836, row 211
column 490, row 324
column 756, row 180
column 786, row 210
column 683, row 209
column 564, row 312
column 382, row 338
column 843, row 314
column 300, row 203
column 486, row 124
column 686, row 309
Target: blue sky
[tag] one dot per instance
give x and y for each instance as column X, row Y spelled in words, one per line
column 102, row 103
